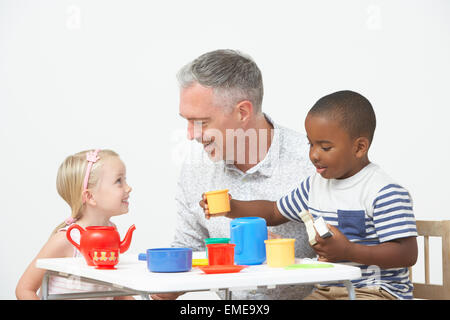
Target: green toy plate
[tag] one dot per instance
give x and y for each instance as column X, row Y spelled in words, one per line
column 309, row 266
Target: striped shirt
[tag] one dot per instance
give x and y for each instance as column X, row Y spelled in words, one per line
column 369, row 208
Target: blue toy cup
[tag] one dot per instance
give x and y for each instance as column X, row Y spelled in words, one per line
column 168, row 259
column 248, row 234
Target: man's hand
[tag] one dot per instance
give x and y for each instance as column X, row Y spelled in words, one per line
column 204, row 204
column 334, row 248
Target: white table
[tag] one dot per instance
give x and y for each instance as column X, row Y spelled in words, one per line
column 132, row 277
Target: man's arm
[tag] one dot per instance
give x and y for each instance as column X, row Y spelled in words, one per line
column 189, row 232
column 256, row 208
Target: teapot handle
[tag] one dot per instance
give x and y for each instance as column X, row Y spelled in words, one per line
column 142, row 256
column 70, row 238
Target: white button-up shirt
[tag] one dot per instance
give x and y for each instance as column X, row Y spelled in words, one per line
column 285, row 165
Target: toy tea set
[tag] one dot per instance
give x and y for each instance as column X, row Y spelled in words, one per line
column 100, row 246
column 247, row 245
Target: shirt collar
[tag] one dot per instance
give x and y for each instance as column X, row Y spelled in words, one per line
column 266, row 166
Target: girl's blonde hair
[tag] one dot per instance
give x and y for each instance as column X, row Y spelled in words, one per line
column 69, row 181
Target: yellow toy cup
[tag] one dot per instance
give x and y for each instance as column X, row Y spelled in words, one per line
column 280, row 252
column 218, row 201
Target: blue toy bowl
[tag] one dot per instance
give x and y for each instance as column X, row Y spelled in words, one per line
column 168, row 259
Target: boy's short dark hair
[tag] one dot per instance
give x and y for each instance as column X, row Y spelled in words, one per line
column 353, row 111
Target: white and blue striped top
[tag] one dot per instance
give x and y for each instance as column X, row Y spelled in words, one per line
column 368, row 208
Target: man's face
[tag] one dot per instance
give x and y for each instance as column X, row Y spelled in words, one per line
column 332, row 151
column 207, row 122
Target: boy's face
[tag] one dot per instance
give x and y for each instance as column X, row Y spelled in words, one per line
column 332, row 151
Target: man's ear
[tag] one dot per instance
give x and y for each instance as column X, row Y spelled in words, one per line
column 88, row 197
column 244, row 110
column 361, row 145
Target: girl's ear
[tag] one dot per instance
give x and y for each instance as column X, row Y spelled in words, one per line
column 88, row 197
column 362, row 145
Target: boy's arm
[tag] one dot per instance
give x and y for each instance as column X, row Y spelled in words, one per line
column 257, row 208
column 396, row 253
column 287, row 208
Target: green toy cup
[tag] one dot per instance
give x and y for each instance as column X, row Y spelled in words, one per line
column 214, row 241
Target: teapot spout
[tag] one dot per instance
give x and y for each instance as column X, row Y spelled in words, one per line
column 125, row 244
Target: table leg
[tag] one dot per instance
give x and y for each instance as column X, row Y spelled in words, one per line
column 44, row 287
column 350, row 289
column 228, row 294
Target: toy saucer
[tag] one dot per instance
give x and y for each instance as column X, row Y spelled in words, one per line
column 221, row 269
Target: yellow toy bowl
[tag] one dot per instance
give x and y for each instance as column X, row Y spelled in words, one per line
column 280, row 252
column 218, row 201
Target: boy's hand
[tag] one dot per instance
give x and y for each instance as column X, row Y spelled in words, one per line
column 204, row 204
column 334, row 248
column 271, row 235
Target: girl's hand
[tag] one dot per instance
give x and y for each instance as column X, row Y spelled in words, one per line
column 334, row 248
column 204, row 204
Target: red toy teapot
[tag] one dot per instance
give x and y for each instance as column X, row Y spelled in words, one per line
column 99, row 237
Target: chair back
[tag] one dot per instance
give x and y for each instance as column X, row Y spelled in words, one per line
column 427, row 290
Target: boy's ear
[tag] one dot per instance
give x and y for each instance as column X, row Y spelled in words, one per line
column 362, row 145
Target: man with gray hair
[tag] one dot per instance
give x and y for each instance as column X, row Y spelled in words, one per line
column 221, row 95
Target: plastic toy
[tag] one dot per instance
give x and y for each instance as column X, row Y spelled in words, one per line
column 199, row 262
column 280, row 252
column 94, row 239
column 312, row 226
column 222, row 269
column 321, row 228
column 249, row 234
column 309, row 225
column 105, row 258
column 309, row 266
column 221, row 253
column 218, row 201
column 168, row 259
column 215, row 240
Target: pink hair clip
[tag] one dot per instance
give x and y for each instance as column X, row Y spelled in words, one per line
column 70, row 221
column 91, row 157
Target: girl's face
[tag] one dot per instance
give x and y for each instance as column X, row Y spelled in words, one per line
column 332, row 151
column 112, row 191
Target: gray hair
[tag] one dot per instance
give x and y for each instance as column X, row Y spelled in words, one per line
column 232, row 75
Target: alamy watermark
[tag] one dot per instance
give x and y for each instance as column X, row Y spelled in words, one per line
column 236, row 146
column 73, row 17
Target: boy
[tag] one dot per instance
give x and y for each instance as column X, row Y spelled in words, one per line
column 370, row 216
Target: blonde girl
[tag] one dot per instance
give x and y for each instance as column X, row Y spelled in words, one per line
column 93, row 183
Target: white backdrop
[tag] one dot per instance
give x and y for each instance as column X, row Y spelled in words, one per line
column 83, row 74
